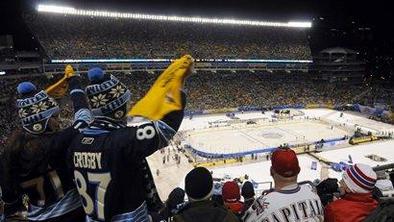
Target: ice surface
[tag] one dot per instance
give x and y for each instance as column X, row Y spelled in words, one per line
column 237, row 139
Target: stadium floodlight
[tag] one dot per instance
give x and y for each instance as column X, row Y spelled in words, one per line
column 55, row 9
column 73, row 11
column 301, row 24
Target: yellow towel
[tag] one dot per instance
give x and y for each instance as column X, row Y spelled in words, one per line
column 164, row 96
column 59, row 89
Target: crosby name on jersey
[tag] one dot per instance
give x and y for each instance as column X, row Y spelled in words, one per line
column 87, row 160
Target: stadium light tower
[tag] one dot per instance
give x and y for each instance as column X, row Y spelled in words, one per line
column 223, row 21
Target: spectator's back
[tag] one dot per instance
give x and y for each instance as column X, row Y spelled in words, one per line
column 297, row 203
column 199, row 188
column 207, row 211
column 289, row 201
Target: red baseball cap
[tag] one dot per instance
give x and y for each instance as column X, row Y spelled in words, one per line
column 231, row 191
column 285, row 162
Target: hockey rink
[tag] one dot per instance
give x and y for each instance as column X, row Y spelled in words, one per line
column 239, row 138
column 265, row 134
column 313, row 126
column 259, row 171
column 247, row 138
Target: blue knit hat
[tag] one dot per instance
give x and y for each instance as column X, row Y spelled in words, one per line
column 247, row 190
column 107, row 95
column 35, row 111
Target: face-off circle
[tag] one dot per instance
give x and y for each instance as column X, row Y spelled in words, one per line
column 271, row 135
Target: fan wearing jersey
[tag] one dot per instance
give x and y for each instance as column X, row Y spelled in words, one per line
column 31, row 163
column 288, row 201
column 108, row 157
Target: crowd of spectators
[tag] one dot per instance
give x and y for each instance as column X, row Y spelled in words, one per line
column 8, row 120
column 352, row 199
column 237, row 202
column 8, row 84
column 215, row 90
column 289, row 200
column 212, row 90
column 81, row 37
column 221, row 89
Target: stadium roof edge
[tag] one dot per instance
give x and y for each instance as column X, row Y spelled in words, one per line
column 223, row 21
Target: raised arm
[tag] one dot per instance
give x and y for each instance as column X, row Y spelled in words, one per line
column 164, row 106
column 82, row 115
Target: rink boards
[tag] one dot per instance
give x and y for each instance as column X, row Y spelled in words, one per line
column 241, row 138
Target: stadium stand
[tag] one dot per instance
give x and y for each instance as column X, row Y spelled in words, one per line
column 83, row 37
column 214, row 90
column 79, row 37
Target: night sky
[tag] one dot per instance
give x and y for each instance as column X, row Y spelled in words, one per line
column 335, row 23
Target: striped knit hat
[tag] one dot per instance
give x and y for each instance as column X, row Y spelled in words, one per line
column 107, row 95
column 35, row 108
column 359, row 178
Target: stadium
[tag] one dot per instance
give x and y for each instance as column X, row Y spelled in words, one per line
column 109, row 112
